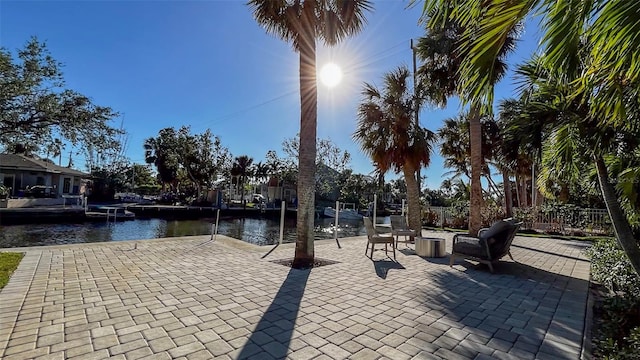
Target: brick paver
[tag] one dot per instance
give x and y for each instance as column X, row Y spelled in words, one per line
column 186, row 297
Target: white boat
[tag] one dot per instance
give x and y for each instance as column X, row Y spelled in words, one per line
column 344, row 213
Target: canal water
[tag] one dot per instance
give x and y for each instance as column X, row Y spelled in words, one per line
column 254, row 231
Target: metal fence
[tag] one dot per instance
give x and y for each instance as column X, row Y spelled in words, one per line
column 566, row 220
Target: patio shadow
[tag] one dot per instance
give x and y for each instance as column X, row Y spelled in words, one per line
column 521, row 310
column 273, row 333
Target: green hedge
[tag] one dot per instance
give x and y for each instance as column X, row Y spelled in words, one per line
column 617, row 334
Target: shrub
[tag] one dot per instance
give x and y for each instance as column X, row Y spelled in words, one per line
column 430, row 218
column 491, row 213
column 526, row 215
column 611, row 267
column 617, row 331
column 459, row 215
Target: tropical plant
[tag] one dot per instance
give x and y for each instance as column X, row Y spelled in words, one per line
column 302, row 23
column 387, row 133
column 161, row 151
column 442, row 57
column 4, row 192
column 242, row 169
column 608, row 83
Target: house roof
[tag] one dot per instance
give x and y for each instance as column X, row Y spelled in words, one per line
column 20, row 162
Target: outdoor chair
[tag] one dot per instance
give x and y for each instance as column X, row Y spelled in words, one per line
column 489, row 246
column 399, row 228
column 374, row 238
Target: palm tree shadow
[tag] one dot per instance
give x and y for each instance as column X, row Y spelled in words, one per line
column 275, row 329
column 542, row 303
column 383, row 266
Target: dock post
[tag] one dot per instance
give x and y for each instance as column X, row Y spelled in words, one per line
column 214, row 232
column 282, row 209
column 402, row 211
column 336, row 223
column 375, row 209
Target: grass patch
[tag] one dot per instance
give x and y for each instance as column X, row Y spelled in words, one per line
column 8, row 263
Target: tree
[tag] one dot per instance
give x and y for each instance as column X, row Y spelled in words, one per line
column 443, row 58
column 202, row 157
column 261, row 172
column 197, row 158
column 302, row 22
column 242, row 169
column 387, row 133
column 162, row 151
column 572, row 136
column 356, row 188
column 608, row 83
column 330, row 160
column 37, row 111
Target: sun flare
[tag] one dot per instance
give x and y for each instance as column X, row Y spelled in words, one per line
column 330, row 75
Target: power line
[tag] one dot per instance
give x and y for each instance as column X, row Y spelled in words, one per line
column 247, row 109
column 255, row 106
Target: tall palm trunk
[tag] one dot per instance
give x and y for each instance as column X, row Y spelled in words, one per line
column 413, row 197
column 475, row 140
column 618, row 219
column 304, row 254
column 508, row 201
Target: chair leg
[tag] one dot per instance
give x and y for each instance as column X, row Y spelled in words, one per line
column 367, row 248
column 372, row 246
column 511, row 256
column 394, row 251
column 490, row 267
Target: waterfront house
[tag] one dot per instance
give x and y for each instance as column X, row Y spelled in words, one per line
column 19, row 172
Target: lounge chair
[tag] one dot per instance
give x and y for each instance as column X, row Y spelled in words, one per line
column 489, row 247
column 374, row 238
column 399, row 228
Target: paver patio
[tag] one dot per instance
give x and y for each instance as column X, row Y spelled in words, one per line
column 192, row 299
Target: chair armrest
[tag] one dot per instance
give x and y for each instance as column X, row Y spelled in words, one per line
column 466, row 237
column 472, row 239
column 482, row 231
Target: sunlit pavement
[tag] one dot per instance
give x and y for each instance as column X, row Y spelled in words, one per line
column 192, row 299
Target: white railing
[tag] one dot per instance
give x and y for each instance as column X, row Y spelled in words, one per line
column 564, row 221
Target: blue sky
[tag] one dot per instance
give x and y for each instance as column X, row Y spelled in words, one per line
column 208, row 64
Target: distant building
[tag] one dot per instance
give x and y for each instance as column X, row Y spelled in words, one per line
column 18, row 172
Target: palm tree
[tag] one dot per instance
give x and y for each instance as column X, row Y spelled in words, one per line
column 455, row 146
column 386, row 133
column 161, row 152
column 261, row 172
column 442, row 58
column 575, row 130
column 302, row 23
column 242, row 169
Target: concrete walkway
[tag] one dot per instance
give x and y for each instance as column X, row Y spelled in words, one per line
column 189, row 299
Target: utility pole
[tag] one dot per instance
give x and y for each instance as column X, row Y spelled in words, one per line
column 415, row 103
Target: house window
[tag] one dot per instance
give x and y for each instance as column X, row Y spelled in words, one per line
column 66, row 186
column 39, row 180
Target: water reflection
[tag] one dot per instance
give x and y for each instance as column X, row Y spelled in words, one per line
column 255, row 231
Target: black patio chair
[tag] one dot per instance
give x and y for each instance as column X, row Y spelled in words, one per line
column 489, row 246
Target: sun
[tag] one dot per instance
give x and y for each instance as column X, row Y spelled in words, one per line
column 330, row 75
